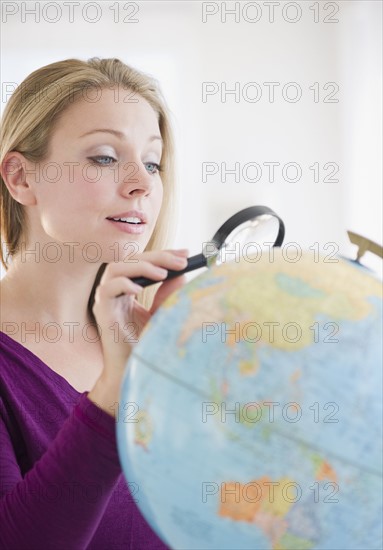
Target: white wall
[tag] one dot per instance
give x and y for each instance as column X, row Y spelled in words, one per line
column 171, row 42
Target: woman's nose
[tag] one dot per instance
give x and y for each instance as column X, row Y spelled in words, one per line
column 135, row 179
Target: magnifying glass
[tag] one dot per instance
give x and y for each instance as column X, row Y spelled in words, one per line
column 251, row 225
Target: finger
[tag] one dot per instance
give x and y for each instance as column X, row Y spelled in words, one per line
column 166, row 289
column 141, row 268
column 138, row 266
column 155, row 254
column 169, row 259
column 114, row 288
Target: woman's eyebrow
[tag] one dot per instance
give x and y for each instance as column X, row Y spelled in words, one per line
column 120, row 135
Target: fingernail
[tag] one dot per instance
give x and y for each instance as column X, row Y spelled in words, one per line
column 180, row 260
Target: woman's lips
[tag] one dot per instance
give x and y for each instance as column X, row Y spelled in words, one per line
column 132, row 228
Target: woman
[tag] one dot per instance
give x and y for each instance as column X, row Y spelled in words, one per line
column 84, row 144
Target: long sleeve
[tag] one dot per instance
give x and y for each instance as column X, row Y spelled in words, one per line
column 61, row 482
column 61, row 499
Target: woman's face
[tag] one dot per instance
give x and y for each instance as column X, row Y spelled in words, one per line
column 103, row 163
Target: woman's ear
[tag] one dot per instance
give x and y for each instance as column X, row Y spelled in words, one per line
column 15, row 171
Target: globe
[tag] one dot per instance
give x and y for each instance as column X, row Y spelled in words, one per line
column 251, row 408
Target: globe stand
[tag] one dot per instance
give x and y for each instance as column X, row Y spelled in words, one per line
column 364, row 245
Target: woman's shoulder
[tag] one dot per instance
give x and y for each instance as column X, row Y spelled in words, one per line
column 14, row 351
column 25, row 372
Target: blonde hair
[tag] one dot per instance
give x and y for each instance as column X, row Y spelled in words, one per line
column 28, row 122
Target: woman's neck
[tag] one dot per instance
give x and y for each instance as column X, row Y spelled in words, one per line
column 48, row 292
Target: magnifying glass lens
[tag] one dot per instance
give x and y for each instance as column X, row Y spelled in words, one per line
column 257, row 232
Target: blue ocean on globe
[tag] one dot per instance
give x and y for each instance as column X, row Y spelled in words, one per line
column 251, row 409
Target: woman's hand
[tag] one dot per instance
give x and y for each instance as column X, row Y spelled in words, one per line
column 121, row 318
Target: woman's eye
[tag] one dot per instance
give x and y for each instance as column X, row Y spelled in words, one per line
column 152, row 167
column 102, row 160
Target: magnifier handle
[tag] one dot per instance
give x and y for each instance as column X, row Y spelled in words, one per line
column 194, row 262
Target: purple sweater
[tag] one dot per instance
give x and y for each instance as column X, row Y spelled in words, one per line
column 61, row 483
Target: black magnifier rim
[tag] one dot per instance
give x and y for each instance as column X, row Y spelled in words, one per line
column 243, row 216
